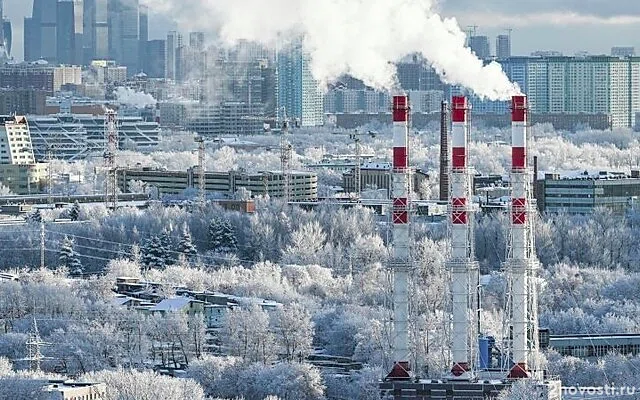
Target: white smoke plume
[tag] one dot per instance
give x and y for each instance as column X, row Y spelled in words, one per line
column 130, row 97
column 358, row 37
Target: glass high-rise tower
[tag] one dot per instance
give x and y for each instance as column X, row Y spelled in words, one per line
column 297, row 92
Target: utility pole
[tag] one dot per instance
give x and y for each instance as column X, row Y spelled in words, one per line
column 357, row 171
column 111, row 148
column 50, row 171
column 42, row 237
column 201, row 183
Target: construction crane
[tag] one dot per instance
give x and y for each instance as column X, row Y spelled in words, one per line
column 111, row 148
column 201, row 183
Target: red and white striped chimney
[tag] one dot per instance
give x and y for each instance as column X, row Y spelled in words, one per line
column 461, row 263
column 400, row 218
column 521, row 239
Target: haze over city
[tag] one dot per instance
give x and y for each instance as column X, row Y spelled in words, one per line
column 565, row 25
column 319, row 200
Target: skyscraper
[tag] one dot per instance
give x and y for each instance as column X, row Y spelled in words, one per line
column 4, row 46
column 297, row 92
column 480, row 46
column 503, row 46
column 155, row 59
column 40, row 33
column 8, row 35
column 627, row 51
column 173, row 43
column 96, row 30
column 65, row 31
column 78, row 31
column 124, row 33
column 196, row 40
column 143, row 37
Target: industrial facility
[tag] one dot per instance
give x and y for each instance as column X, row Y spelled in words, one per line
column 481, row 366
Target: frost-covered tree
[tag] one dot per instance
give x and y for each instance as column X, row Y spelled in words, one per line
column 185, row 246
column 306, row 245
column 154, row 254
column 35, row 217
column 127, row 384
column 522, row 390
column 222, row 236
column 227, row 377
column 69, row 258
column 247, row 335
column 294, row 332
column 74, row 211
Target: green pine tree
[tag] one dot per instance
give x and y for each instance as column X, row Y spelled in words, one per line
column 222, row 236
column 69, row 258
column 185, row 246
column 153, row 253
column 35, row 217
column 74, row 211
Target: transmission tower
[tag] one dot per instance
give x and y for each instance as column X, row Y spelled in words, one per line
column 201, row 185
column 111, row 148
column 286, row 151
column 34, row 347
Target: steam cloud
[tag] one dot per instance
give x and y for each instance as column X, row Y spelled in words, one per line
column 357, row 37
column 130, row 97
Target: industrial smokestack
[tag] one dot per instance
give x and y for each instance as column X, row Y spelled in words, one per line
column 464, row 269
column 522, row 262
column 444, row 151
column 400, row 259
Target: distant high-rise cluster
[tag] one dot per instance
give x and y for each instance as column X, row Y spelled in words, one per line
column 480, row 46
column 298, row 93
column 503, row 46
column 80, row 31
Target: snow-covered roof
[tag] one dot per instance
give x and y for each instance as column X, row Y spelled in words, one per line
column 119, row 301
column 383, row 166
column 173, row 304
column 585, row 174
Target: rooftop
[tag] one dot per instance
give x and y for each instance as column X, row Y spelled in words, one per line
column 173, row 304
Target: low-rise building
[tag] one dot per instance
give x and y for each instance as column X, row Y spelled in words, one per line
column 18, row 169
column 377, row 175
column 75, row 136
column 70, row 390
column 583, row 192
column 303, row 186
column 178, row 304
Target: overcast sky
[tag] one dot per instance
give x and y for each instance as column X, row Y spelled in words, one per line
column 564, row 25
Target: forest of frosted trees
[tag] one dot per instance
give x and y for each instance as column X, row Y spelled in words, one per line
column 327, row 267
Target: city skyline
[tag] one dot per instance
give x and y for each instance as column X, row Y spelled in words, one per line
column 567, row 26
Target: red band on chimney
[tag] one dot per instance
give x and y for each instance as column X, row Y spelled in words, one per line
column 518, row 157
column 519, row 108
column 459, row 109
column 400, row 109
column 458, row 157
column 400, row 159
